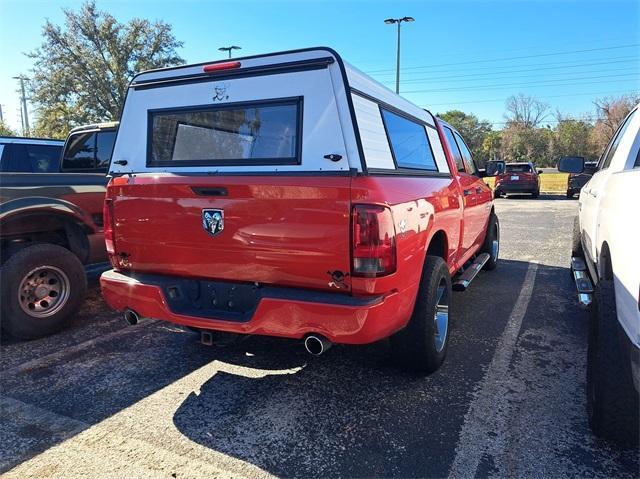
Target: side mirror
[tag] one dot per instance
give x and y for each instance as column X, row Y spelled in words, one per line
column 494, row 168
column 571, row 164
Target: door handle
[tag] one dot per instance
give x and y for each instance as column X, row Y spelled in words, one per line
column 467, row 192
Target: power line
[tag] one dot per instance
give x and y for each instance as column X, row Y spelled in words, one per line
column 535, row 84
column 507, row 67
column 476, row 75
column 566, row 52
column 500, row 100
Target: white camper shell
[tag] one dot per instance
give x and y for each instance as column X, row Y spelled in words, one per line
column 292, row 112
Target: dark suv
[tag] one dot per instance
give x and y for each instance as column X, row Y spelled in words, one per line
column 576, row 181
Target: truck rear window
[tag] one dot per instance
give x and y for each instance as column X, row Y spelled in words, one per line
column 256, row 133
column 518, row 169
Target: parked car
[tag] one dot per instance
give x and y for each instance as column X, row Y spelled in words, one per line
column 575, row 181
column 30, row 155
column 518, row 178
column 51, row 235
column 291, row 195
column 606, row 254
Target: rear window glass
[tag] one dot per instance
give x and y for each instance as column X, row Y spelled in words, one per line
column 409, row 143
column 518, row 169
column 455, row 151
column 30, row 158
column 80, row 151
column 249, row 133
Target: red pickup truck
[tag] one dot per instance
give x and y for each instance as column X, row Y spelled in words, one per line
column 291, row 195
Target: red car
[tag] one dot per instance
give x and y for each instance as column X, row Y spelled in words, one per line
column 518, row 178
column 290, row 195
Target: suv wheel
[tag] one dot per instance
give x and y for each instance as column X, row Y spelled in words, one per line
column 612, row 401
column 422, row 345
column 42, row 287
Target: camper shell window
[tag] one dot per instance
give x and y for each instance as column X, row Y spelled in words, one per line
column 248, row 133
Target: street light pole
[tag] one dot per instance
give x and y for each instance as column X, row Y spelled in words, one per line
column 398, row 21
column 228, row 49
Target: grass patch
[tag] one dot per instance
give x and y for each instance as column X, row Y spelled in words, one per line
column 552, row 182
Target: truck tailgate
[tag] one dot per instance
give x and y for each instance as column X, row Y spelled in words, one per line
column 281, row 230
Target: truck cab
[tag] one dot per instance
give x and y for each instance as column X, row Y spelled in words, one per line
column 291, row 195
column 605, row 260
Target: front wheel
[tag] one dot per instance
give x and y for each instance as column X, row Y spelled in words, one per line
column 612, row 400
column 42, row 287
column 422, row 345
column 491, row 244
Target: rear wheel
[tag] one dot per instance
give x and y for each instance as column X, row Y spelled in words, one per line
column 535, row 193
column 569, row 194
column 612, row 401
column 422, row 345
column 42, row 287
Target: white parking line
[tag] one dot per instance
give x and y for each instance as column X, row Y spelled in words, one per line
column 483, row 416
column 49, row 359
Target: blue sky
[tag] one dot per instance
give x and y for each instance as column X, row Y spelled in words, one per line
column 469, row 55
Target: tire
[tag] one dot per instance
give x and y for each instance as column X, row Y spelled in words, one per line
column 421, row 346
column 535, row 194
column 570, row 194
column 612, row 401
column 497, row 194
column 49, row 272
column 576, row 243
column 492, row 234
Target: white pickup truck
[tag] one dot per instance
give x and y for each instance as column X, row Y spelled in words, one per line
column 606, row 267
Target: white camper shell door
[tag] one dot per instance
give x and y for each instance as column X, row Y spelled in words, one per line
column 321, row 128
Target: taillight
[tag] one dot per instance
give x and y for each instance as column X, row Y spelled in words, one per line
column 109, row 230
column 374, row 241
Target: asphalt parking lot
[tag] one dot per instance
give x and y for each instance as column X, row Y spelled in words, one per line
column 105, row 399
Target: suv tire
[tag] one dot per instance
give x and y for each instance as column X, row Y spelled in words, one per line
column 422, row 345
column 43, row 285
column 612, row 401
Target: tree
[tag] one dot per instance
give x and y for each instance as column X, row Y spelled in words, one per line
column 525, row 143
column 5, row 130
column 472, row 130
column 81, row 72
column 492, row 145
column 572, row 138
column 610, row 113
column 525, row 110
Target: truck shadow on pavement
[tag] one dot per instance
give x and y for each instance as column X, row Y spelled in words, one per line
column 350, row 412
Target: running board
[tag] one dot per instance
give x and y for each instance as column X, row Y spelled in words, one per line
column 464, row 280
column 583, row 282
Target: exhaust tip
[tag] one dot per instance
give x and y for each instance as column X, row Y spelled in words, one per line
column 131, row 317
column 316, row 345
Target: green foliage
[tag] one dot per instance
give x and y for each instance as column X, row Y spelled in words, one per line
column 472, row 130
column 81, row 71
column 5, row 130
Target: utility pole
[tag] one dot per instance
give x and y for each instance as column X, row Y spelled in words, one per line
column 391, row 21
column 1, row 117
column 23, row 100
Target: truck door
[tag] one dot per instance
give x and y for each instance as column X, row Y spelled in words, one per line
column 593, row 191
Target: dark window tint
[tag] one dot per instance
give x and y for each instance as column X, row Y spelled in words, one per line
column 469, row 165
column 409, row 142
column 29, row 158
column 455, row 151
column 613, row 146
column 44, row 158
column 258, row 133
column 518, row 169
column 80, row 152
column 104, row 148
